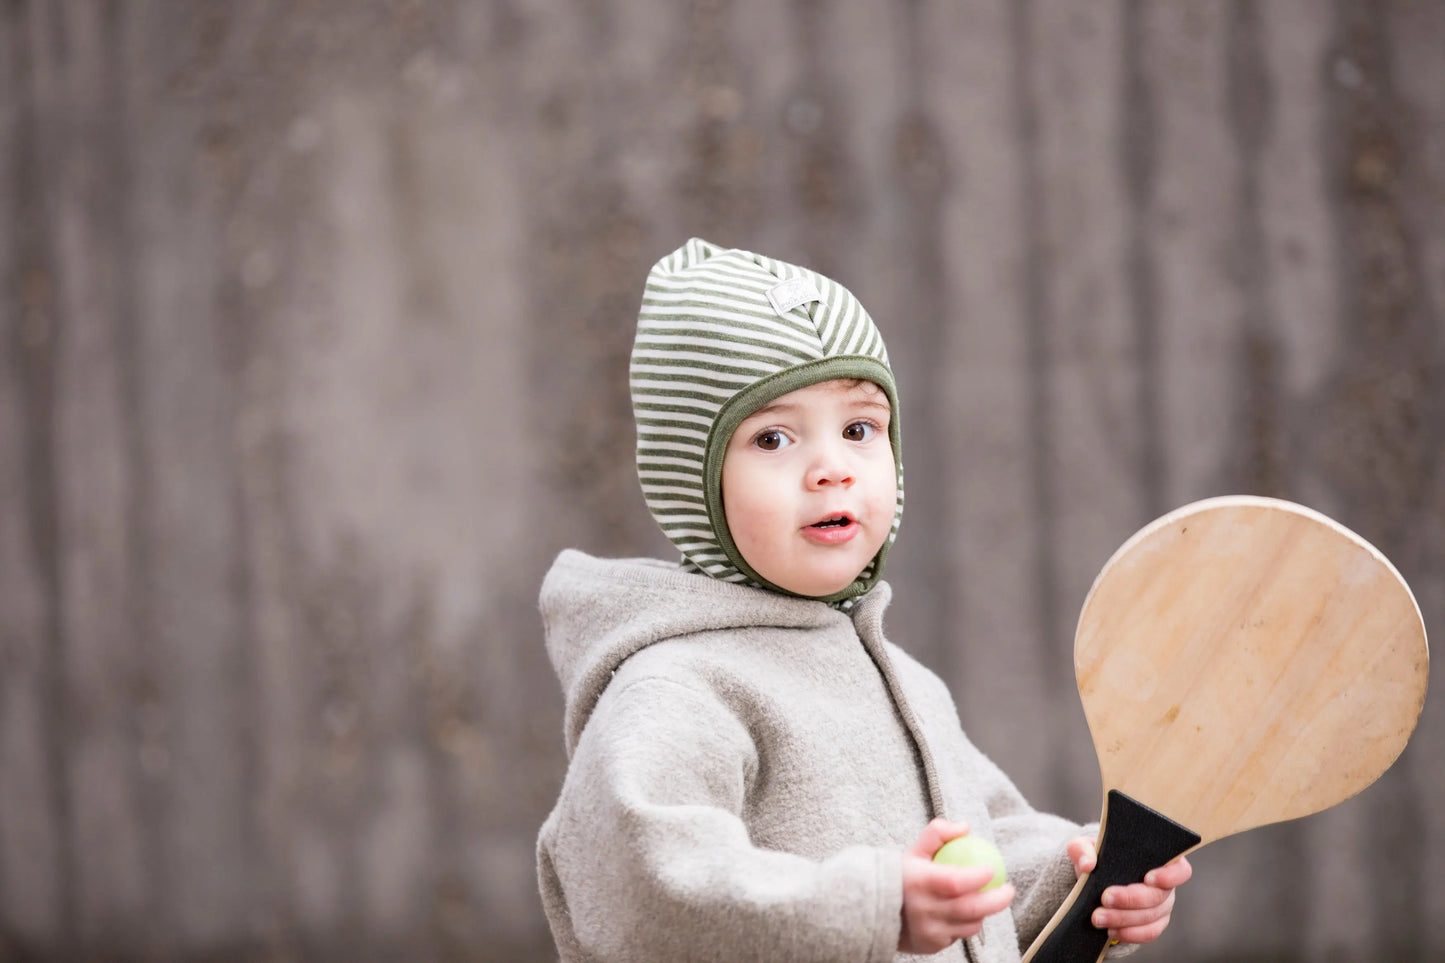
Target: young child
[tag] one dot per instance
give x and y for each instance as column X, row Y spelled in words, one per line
column 756, row 773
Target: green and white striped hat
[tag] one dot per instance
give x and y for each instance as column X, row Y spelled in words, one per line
column 720, row 334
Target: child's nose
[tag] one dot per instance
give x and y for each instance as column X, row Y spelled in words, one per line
column 829, row 471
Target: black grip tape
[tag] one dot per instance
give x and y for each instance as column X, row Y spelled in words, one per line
column 1136, row 839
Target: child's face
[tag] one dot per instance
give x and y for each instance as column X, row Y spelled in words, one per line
column 809, row 486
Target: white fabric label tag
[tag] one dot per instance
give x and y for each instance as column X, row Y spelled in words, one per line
column 792, row 293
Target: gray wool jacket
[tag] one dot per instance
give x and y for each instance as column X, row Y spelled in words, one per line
column 746, row 770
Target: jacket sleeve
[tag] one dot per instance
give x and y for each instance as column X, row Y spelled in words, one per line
column 647, row 856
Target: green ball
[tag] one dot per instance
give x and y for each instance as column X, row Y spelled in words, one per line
column 973, row 851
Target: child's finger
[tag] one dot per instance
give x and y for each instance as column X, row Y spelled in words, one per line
column 1174, row 873
column 1127, row 918
column 953, row 882
column 1147, row 933
column 975, row 906
column 1082, row 855
column 934, row 835
column 1135, row 896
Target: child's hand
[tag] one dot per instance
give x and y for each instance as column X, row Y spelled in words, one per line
column 1137, row 913
column 942, row 903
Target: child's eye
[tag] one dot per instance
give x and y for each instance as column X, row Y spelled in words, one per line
column 772, row 440
column 859, row 431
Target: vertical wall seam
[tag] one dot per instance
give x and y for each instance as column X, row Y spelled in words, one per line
column 1139, row 163
column 923, row 179
column 1249, row 107
column 34, row 335
column 1053, row 643
column 143, row 694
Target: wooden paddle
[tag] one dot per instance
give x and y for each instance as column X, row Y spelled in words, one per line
column 1241, row 661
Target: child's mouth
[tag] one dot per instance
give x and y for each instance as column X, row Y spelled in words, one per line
column 832, row 529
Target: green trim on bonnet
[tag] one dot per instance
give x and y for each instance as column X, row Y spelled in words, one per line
column 750, row 399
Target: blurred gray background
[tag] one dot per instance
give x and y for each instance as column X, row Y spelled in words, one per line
column 313, row 355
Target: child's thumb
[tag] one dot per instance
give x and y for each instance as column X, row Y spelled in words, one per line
column 934, row 835
column 1082, row 854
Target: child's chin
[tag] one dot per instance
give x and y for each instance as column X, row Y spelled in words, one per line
column 821, row 586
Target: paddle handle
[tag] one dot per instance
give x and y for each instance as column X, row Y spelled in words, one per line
column 1135, row 840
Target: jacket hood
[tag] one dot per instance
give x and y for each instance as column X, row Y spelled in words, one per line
column 598, row 612
column 721, row 333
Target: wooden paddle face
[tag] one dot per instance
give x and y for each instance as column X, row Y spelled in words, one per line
column 1241, row 661
column 1244, row 660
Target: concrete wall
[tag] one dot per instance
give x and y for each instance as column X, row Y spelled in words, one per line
column 314, row 320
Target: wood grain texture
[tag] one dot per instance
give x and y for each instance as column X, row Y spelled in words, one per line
column 1244, row 661
column 312, row 356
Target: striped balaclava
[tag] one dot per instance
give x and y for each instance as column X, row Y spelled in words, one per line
column 720, row 334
